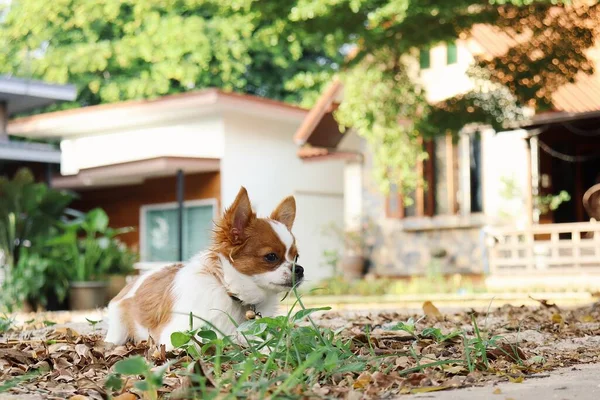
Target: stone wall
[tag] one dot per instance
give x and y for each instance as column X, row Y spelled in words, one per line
column 401, row 252
column 402, row 247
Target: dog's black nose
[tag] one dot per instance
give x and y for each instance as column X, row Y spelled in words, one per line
column 298, row 271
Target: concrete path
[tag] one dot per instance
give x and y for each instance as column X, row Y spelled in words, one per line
column 574, row 383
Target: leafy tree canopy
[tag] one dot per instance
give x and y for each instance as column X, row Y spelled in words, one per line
column 118, row 50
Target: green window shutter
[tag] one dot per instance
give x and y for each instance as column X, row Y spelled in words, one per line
column 160, row 235
column 451, row 53
column 424, row 58
column 197, row 229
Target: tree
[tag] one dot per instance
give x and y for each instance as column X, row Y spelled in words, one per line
column 380, row 83
column 118, row 50
column 130, row 49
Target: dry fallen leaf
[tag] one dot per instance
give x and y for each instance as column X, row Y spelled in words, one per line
column 126, row 396
column 557, row 318
column 403, row 362
column 453, row 369
column 497, row 391
column 518, row 379
column 362, row 381
column 428, row 389
column 430, row 310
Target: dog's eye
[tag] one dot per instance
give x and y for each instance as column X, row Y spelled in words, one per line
column 271, row 257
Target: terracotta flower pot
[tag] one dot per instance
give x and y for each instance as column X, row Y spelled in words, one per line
column 87, row 295
column 352, row 266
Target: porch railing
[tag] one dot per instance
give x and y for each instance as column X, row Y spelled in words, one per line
column 571, row 248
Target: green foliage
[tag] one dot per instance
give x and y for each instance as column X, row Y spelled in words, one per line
column 28, row 212
column 87, row 246
column 33, row 279
column 551, row 202
column 137, row 365
column 409, row 326
column 280, row 352
column 544, row 203
column 438, row 336
column 488, row 103
column 288, row 50
column 8, row 384
column 6, row 323
column 476, row 348
column 40, row 246
column 288, row 356
column 378, row 91
column 331, row 258
column 93, row 323
column 338, row 286
column 131, row 49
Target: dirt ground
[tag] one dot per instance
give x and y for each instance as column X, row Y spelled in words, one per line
column 538, row 351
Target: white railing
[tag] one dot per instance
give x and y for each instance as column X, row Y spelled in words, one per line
column 572, row 248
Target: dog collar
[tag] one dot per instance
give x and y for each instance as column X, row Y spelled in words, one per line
column 251, row 312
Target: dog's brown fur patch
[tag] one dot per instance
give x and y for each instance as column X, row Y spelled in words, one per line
column 152, row 304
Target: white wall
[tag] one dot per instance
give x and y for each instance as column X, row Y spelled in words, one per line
column 504, row 160
column 261, row 155
column 442, row 81
column 200, row 138
column 353, row 181
column 353, row 195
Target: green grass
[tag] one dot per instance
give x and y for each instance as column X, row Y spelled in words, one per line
column 6, row 323
column 338, row 286
column 288, row 355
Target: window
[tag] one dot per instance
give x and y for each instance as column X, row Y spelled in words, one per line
column 442, row 173
column 451, row 53
column 158, row 230
column 424, row 58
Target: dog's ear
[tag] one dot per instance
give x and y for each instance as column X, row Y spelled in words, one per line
column 238, row 217
column 285, row 212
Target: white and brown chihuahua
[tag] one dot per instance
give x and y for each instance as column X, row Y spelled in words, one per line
column 251, row 261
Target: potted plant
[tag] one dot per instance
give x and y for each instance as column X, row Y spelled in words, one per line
column 351, row 263
column 121, row 266
column 29, row 214
column 85, row 246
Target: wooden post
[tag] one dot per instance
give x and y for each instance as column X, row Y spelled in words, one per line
column 465, row 174
column 3, row 120
column 529, row 187
column 180, row 206
column 430, row 179
column 420, row 191
column 451, row 175
column 49, row 171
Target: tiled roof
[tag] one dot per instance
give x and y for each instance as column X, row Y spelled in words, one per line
column 581, row 96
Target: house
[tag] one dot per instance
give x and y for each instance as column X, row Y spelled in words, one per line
column 168, row 166
column 481, row 210
column 23, row 95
